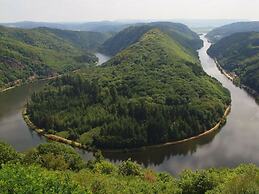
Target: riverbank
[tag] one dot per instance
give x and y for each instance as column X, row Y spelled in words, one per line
column 52, row 137
column 27, row 82
column 18, row 83
column 88, row 148
column 228, row 75
column 215, row 128
column 233, row 78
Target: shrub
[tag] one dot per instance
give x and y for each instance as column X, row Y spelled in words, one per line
column 104, row 167
column 129, row 168
column 7, row 153
column 55, row 156
column 16, row 178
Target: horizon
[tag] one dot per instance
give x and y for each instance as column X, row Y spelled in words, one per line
column 60, row 11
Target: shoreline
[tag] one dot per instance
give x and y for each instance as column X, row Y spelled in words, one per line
column 34, row 80
column 56, row 138
column 229, row 76
column 249, row 90
column 31, row 81
column 52, row 137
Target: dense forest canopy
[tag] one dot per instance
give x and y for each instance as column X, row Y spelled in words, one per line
column 227, row 30
column 239, row 53
column 44, row 52
column 179, row 32
column 152, row 92
column 57, row 168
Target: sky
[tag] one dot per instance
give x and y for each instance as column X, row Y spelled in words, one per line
column 97, row 10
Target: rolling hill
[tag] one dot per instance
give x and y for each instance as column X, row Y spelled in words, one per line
column 101, row 26
column 152, row 92
column 42, row 52
column 239, row 53
column 85, row 40
column 181, row 33
column 226, row 30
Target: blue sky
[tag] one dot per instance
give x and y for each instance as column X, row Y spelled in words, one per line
column 94, row 10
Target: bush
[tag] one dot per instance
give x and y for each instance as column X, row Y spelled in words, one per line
column 129, row 168
column 55, row 156
column 197, row 182
column 7, row 154
column 23, row 179
column 104, row 167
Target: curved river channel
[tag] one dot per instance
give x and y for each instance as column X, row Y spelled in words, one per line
column 237, row 142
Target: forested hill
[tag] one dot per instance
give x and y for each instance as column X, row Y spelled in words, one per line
column 224, row 31
column 239, row 53
column 43, row 52
column 152, row 92
column 86, row 40
column 179, row 32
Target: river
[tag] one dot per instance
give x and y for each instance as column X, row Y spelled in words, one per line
column 237, row 142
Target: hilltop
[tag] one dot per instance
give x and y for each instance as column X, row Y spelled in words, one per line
column 179, row 32
column 226, row 30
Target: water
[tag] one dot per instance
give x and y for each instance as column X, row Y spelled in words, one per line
column 237, row 142
column 13, row 129
column 102, row 58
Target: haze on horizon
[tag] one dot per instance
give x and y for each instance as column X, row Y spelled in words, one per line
column 96, row 10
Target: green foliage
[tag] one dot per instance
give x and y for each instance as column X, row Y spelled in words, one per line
column 40, row 53
column 128, row 177
column 55, row 156
column 32, row 179
column 8, row 154
column 152, row 92
column 239, row 54
column 104, row 167
column 129, row 168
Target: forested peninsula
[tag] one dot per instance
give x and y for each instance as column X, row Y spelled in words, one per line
column 154, row 91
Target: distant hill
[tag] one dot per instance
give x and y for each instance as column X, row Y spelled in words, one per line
column 128, row 36
column 152, row 92
column 239, row 53
column 224, row 31
column 86, row 40
column 102, row 26
column 28, row 54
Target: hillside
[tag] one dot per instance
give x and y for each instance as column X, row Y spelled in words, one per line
column 28, row 54
column 226, row 30
column 153, row 92
column 179, row 32
column 85, row 40
column 239, row 53
column 56, row 168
